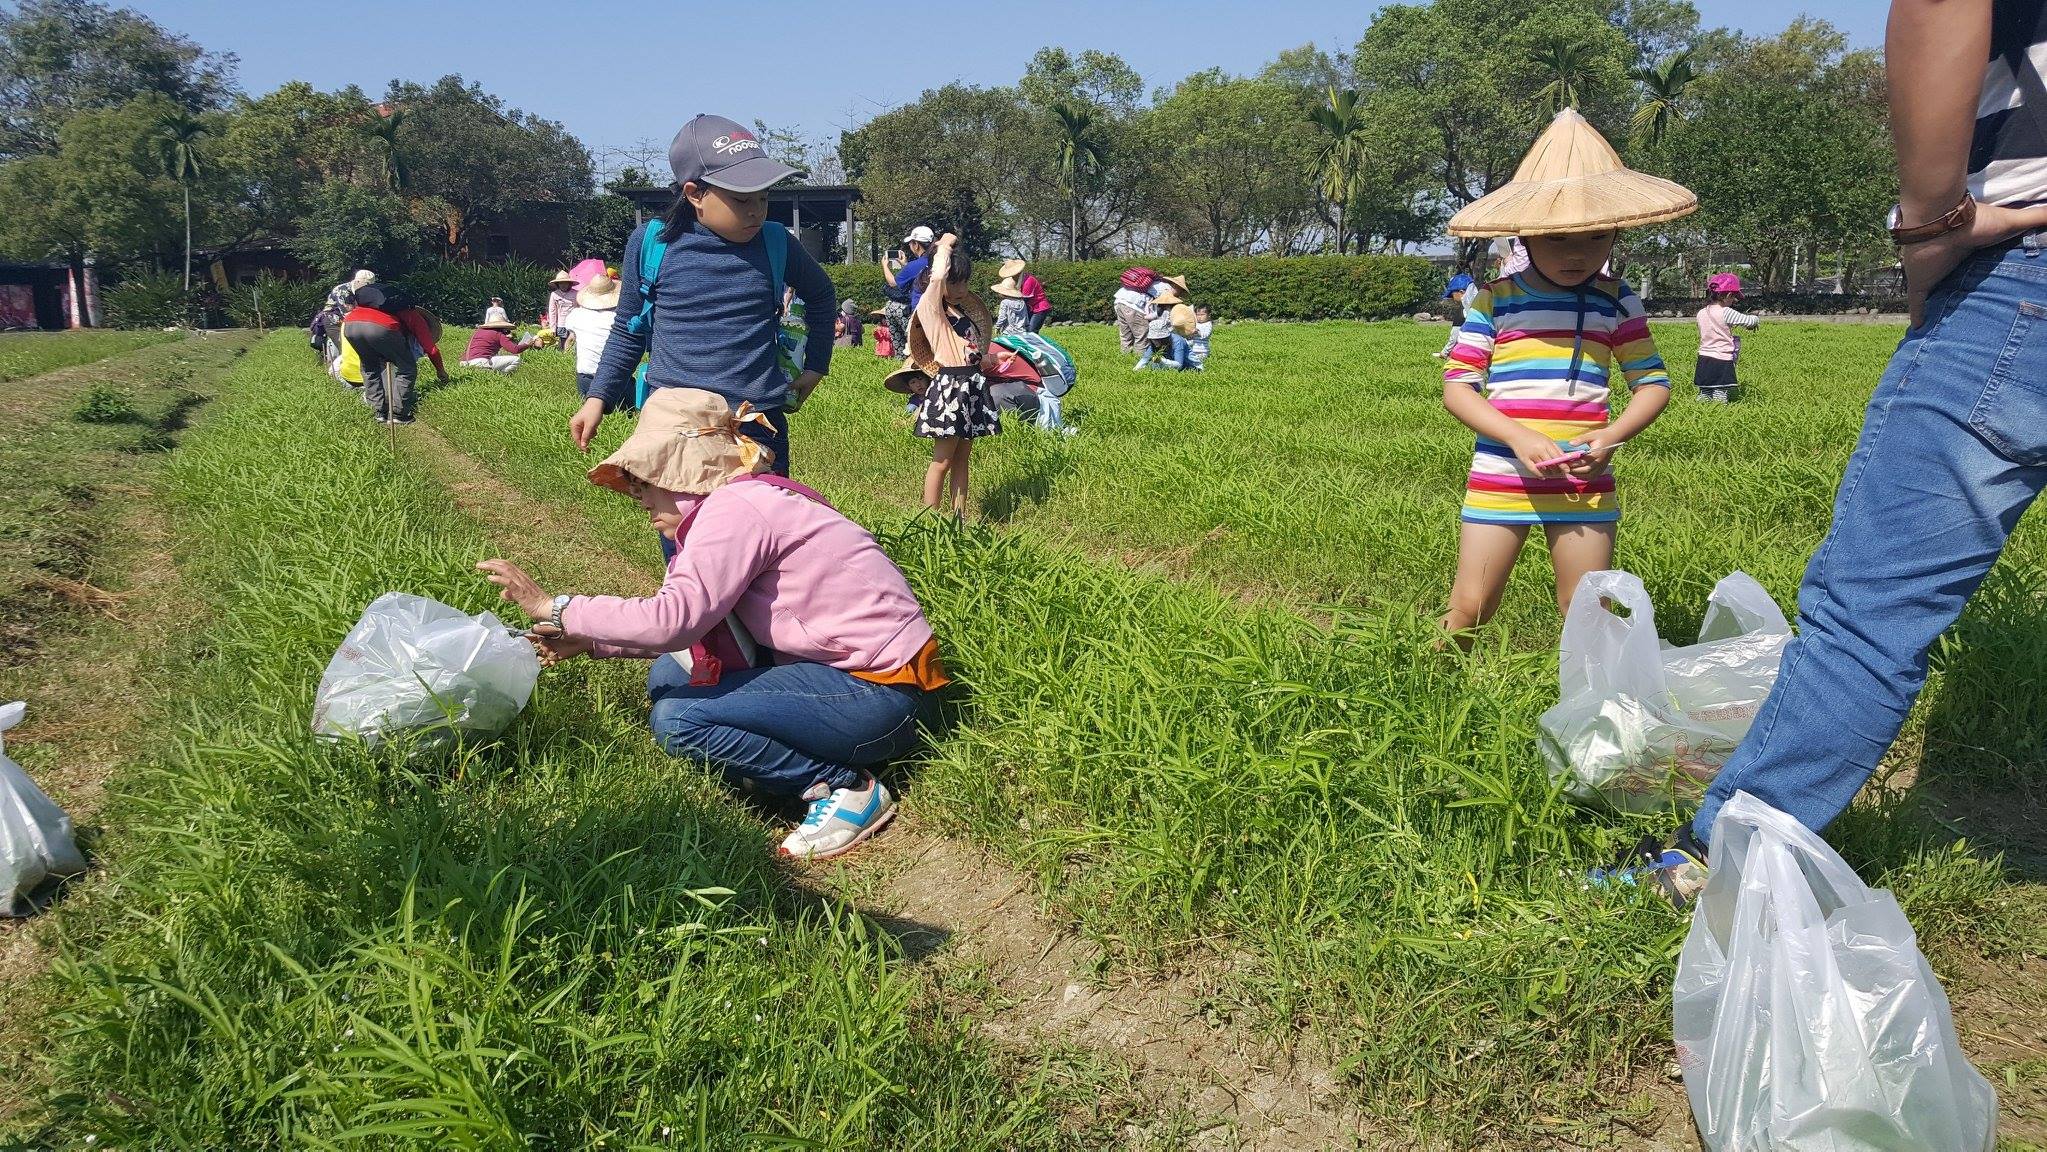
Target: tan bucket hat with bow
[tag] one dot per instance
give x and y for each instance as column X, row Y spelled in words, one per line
column 1572, row 182
column 688, row 440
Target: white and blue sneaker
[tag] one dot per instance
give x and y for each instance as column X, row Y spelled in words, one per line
column 839, row 819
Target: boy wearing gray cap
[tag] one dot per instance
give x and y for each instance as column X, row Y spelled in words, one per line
column 705, row 310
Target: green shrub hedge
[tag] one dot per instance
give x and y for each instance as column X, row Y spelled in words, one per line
column 1244, row 288
column 156, row 301
column 275, row 303
column 458, row 293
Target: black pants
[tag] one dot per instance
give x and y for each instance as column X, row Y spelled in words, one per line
column 1037, row 320
column 389, row 371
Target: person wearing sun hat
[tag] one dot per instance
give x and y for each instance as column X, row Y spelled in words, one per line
column 589, row 326
column 1535, row 360
column 1037, row 306
column 712, row 317
column 1719, row 347
column 1012, row 315
column 1158, row 333
column 492, row 349
column 561, row 297
column 788, row 652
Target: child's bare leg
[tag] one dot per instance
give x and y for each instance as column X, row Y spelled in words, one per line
column 934, row 476
column 1574, row 550
column 962, row 459
column 1485, row 558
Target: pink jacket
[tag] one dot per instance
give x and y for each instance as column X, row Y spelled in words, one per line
column 806, row 582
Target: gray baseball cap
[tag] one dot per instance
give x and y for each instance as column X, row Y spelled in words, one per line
column 713, row 150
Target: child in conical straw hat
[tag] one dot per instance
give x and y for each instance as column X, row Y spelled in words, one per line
column 1536, row 359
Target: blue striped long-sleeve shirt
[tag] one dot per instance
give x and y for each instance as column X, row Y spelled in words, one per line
column 715, row 320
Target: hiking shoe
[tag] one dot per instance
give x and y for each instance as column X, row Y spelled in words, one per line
column 839, row 819
column 1676, row 871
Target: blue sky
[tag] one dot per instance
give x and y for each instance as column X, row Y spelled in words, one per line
column 618, row 74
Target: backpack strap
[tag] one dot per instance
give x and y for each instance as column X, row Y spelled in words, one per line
column 778, row 258
column 652, row 248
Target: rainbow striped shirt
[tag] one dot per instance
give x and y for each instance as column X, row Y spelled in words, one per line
column 1546, row 358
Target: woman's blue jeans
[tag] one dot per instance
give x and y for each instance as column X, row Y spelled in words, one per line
column 780, row 729
column 1953, row 450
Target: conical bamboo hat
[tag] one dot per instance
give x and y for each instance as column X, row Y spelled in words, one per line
column 1573, row 181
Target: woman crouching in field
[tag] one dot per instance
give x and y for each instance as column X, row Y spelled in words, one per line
column 789, row 652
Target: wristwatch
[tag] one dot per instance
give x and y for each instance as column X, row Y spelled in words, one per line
column 554, row 616
column 1960, row 216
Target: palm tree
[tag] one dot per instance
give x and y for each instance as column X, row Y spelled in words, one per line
column 1565, row 64
column 178, row 135
column 1081, row 153
column 1664, row 88
column 1341, row 155
column 383, row 129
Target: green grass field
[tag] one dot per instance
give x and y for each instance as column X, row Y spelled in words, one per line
column 1205, row 713
column 28, row 353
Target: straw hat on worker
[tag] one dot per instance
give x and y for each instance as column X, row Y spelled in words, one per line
column 1006, row 287
column 1011, row 268
column 1573, row 182
column 600, row 293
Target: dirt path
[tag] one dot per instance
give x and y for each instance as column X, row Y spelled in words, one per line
column 1207, row 1085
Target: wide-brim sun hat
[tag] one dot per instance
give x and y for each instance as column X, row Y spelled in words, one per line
column 1006, row 288
column 906, row 381
column 562, row 277
column 1178, row 282
column 878, row 312
column 688, row 441
column 601, row 292
column 1573, row 182
column 500, row 325
column 1167, row 297
column 1011, row 269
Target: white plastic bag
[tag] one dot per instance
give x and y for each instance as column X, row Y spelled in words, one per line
column 414, row 666
column 1804, row 1014
column 1643, row 725
column 35, row 834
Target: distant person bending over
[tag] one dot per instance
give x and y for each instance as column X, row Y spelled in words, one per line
column 1158, row 331
column 1012, row 315
column 1037, row 305
column 389, row 334
column 1134, row 314
column 846, row 329
column 1719, row 346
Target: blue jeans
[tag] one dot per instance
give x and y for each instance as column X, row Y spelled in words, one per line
column 1953, row 450
column 783, row 728
column 584, row 381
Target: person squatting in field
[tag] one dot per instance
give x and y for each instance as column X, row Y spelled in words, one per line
column 1534, row 362
column 944, row 375
column 809, row 660
column 715, row 320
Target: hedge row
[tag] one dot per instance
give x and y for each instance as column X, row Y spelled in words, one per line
column 1785, row 304
column 1244, row 288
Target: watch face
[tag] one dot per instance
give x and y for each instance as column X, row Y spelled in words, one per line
column 1896, row 219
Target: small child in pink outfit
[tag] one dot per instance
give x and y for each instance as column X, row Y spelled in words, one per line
column 1719, row 347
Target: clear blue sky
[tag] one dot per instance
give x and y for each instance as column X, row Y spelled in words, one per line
column 618, row 74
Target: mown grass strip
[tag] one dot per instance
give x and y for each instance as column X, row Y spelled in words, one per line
column 1358, row 821
column 559, row 938
column 25, row 354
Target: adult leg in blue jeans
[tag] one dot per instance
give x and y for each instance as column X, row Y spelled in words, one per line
column 785, row 729
column 1953, row 450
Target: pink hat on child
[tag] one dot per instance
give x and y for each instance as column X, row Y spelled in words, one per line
column 1723, row 282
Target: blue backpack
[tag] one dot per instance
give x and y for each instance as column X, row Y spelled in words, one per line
column 653, row 248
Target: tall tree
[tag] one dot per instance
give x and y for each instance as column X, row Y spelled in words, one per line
column 1121, row 180
column 381, row 126
column 101, row 195
column 1340, row 154
column 1081, row 155
column 955, row 158
column 1566, row 64
column 1237, row 149
column 467, row 156
column 1664, row 89
column 62, row 57
column 179, row 135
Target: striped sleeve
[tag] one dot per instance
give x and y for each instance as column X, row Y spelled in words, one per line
column 1634, row 348
column 1471, row 359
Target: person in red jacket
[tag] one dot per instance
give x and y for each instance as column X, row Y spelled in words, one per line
column 385, row 328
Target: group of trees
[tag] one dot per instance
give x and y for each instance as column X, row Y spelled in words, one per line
column 124, row 141
column 1374, row 148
